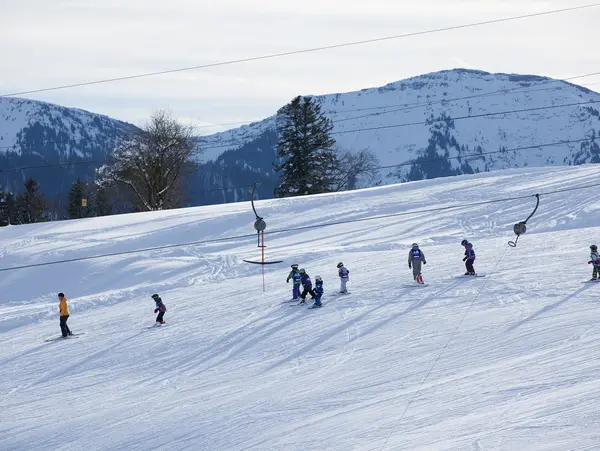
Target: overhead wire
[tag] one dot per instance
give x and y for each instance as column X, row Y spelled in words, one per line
column 405, row 107
column 301, row 51
column 443, row 350
column 295, row 229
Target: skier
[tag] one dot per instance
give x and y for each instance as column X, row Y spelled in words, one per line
column 318, row 292
column 63, row 309
column 469, row 257
column 344, row 277
column 296, row 279
column 595, row 260
column 415, row 258
column 160, row 308
column 307, row 285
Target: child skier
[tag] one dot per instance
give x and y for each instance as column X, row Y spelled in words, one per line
column 296, row 279
column 344, row 277
column 318, row 291
column 160, row 308
column 307, row 285
column 595, row 260
column 63, row 309
column 469, row 258
column 415, row 258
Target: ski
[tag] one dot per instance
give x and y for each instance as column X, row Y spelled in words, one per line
column 591, row 281
column 289, row 300
column 464, row 276
column 299, row 303
column 315, row 306
column 64, row 338
column 415, row 285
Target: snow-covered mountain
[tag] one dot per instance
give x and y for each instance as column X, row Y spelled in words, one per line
column 36, row 133
column 445, row 115
column 433, row 118
column 507, row 362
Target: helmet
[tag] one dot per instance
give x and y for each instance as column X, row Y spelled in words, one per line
column 415, row 245
column 61, row 295
column 463, row 242
column 155, row 296
column 318, row 279
column 295, row 266
column 302, row 271
column 593, row 247
column 340, row 264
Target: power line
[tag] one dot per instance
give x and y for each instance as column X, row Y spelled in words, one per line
column 416, row 105
column 443, row 350
column 475, row 155
column 234, row 142
column 295, row 229
column 405, row 107
column 474, row 116
column 297, row 52
column 421, row 104
column 406, row 163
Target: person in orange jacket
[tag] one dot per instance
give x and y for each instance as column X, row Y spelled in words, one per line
column 63, row 308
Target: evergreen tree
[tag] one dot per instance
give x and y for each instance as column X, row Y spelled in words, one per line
column 102, row 202
column 305, row 149
column 30, row 205
column 77, row 193
column 7, row 208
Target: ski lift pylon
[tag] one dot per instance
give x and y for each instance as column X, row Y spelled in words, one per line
column 260, row 226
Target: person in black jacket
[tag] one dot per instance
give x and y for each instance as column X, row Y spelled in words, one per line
column 307, row 285
column 160, row 308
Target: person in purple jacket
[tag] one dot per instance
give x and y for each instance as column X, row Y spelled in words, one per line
column 469, row 258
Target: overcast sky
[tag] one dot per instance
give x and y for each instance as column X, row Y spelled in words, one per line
column 46, row 43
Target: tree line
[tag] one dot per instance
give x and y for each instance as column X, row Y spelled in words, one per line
column 148, row 170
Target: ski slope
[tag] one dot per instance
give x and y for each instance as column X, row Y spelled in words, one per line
column 504, row 362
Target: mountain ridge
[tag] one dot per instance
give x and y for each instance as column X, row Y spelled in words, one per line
column 447, row 123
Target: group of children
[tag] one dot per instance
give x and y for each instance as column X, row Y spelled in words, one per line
column 416, row 257
column 63, row 309
column 300, row 277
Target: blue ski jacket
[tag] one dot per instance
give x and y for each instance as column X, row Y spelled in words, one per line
column 160, row 306
column 305, row 280
column 319, row 289
column 416, row 254
column 295, row 276
column 469, row 252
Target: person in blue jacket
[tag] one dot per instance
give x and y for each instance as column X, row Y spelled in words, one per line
column 296, row 279
column 318, row 291
column 469, row 258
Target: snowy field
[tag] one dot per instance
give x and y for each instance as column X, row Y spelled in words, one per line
column 504, row 362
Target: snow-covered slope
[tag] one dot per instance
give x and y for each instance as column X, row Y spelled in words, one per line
column 504, row 362
column 401, row 121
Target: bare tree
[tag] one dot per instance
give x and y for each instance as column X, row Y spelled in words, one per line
column 353, row 167
column 151, row 162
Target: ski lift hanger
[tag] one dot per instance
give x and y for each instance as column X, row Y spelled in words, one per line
column 260, row 226
column 520, row 227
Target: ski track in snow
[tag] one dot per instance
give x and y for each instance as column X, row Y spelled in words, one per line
column 237, row 369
